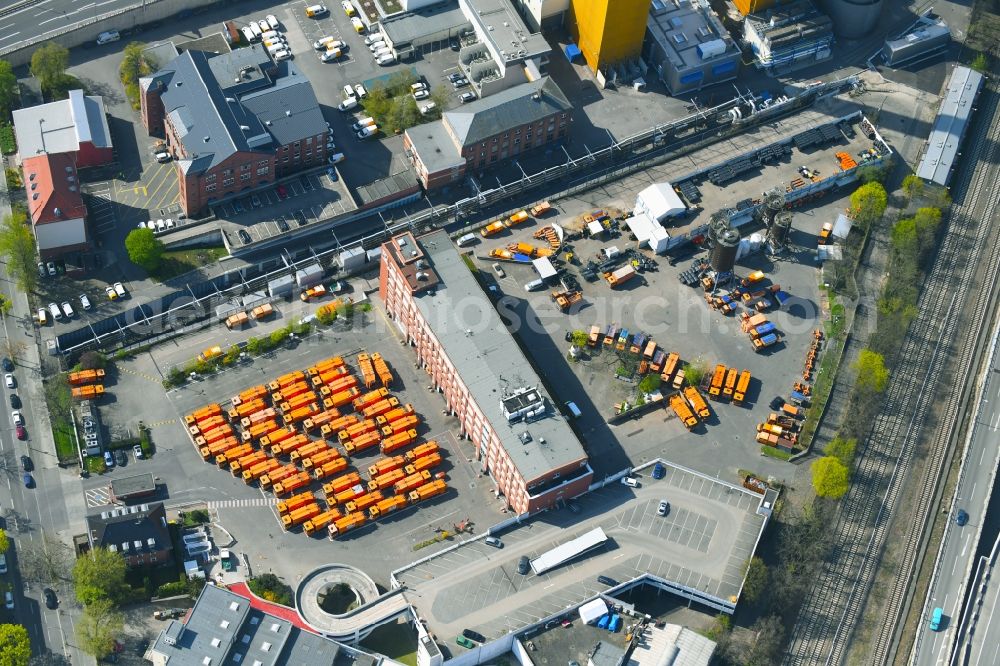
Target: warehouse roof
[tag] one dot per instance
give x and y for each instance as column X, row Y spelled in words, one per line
column 501, row 25
column 60, row 127
column 681, row 28
column 490, row 363
column 402, row 29
column 513, row 107
column 949, row 127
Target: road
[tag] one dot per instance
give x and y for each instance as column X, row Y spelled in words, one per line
column 39, row 18
column 958, row 555
column 983, row 647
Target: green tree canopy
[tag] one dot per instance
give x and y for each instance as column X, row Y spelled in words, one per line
column 17, row 247
column 842, row 450
column 913, row 186
column 100, row 574
column 756, row 580
column 868, row 203
column 649, row 383
column 830, row 477
column 872, row 373
column 8, row 90
column 97, row 628
column 15, row 646
column 579, row 338
column 135, row 64
column 4, row 542
column 981, row 63
column 144, row 249
column 49, row 63
column 695, row 372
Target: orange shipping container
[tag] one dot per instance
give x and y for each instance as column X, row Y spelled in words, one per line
column 387, row 506
column 250, row 394
column 411, row 482
column 386, row 465
column 329, row 468
column 276, row 475
column 362, row 442
column 235, row 453
column 347, row 495
column 300, row 515
column 370, row 398
column 295, row 502
column 427, row 491
column 259, row 470
column 383, row 481
column 203, row 413
column 237, row 466
column 345, row 524
column 292, row 484
column 362, row 503
column 426, row 462
column 425, row 449
column 215, row 448
column 341, row 398
column 341, row 483
column 311, row 449
column 321, row 458
column 398, row 441
column 394, row 415
column 321, row 521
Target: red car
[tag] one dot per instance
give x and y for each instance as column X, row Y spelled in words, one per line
column 21, row 432
column 282, row 192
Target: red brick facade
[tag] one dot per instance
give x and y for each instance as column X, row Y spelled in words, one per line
column 515, row 141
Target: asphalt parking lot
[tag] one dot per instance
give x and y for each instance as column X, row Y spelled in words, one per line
column 702, row 543
column 249, row 513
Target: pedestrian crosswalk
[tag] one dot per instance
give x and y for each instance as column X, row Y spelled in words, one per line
column 98, row 496
column 227, row 504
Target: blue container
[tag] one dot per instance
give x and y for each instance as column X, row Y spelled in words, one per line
column 615, row 624
column 603, row 622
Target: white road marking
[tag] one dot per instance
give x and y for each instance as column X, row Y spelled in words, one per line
column 13, row 34
column 54, row 18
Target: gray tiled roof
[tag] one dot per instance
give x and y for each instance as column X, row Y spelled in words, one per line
column 127, row 527
column 950, row 125
column 512, row 107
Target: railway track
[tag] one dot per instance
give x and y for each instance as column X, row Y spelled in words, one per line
column 831, row 611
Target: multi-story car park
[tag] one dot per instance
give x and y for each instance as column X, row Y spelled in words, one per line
column 233, row 121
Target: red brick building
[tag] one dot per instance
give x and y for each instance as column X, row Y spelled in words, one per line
column 521, row 440
column 77, row 125
column 489, row 130
column 55, row 205
column 233, row 122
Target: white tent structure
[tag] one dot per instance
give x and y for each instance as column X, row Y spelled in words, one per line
column 659, row 201
column 544, row 268
column 649, row 232
column 593, row 610
column 842, row 227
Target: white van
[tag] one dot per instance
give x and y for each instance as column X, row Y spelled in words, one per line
column 281, row 54
column 418, row 86
column 467, row 239
column 321, row 43
column 3, row 563
column 361, row 124
column 386, row 60
column 270, row 34
column 257, row 32
column 371, row 39
column 534, row 285
column 385, row 51
column 248, row 35
column 274, row 47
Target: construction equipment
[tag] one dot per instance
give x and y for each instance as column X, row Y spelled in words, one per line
column 739, row 393
column 698, row 403
column 683, row 411
column 565, row 299
column 86, row 377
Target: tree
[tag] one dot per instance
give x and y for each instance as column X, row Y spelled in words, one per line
column 765, row 648
column 872, row 373
column 98, row 626
column 8, row 90
column 756, row 580
column 15, row 646
column 649, row 383
column 48, row 65
column 92, row 360
column 830, row 477
column 981, row 63
column 231, row 355
column 270, row 587
column 842, row 450
column 99, row 574
column 695, row 372
column 144, row 249
column 927, row 221
column 868, row 203
column 253, row 346
column 17, row 247
column 579, row 338
column 134, row 65
column 4, row 541
column 913, row 186
column 44, row 560
column 5, row 304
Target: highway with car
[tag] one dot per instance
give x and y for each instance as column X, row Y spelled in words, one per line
column 23, row 21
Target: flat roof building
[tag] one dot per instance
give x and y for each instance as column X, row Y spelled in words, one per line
column 132, row 487
column 952, row 121
column 789, row 36
column 78, row 125
column 688, row 46
column 608, row 32
column 434, row 23
column 521, row 440
column 507, row 54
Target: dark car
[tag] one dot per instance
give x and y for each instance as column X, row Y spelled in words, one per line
column 464, row 642
column 454, row 44
column 50, row 598
column 244, row 236
column 15, row 402
column 28, row 481
column 8, row 365
column 605, row 580
column 300, row 217
column 778, row 402
column 282, row 192
column 120, row 457
column 961, row 518
column 255, row 201
column 659, row 471
column 282, row 224
column 237, row 206
column 454, row 76
column 26, row 464
column 523, row 565
column 474, row 635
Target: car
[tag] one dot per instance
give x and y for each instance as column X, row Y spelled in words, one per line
column 386, row 60
column 474, row 635
column 777, row 402
column 421, row 94
column 51, row 268
column 360, row 91
column 108, row 37
column 300, row 218
column 606, row 580
column 336, row 158
column 348, row 90
column 109, row 460
column 348, row 7
column 282, row 191
column 330, row 55
column 162, row 157
column 26, row 464
column 121, row 458
column 137, row 452
column 323, row 43
column 55, row 311
column 460, row 82
column 467, row 97
column 110, row 291
column 332, row 173
column 28, row 481
column 366, row 132
column 255, row 201
column 363, row 123
column 663, row 509
column 281, row 54
column 272, row 21
column 8, row 598
column 119, row 289
column 374, row 37
column 67, row 310
column 494, row 541
column 21, row 433
column 455, row 76
column 454, row 44
column 630, row 482
column 7, row 364
column 348, row 104
column 264, row 26
column 17, row 417
column 85, row 302
column 8, row 379
column 461, row 640
column 244, row 236
column 937, row 619
column 41, row 269
column 3, row 559
column 51, row 602
column 659, row 471
column 961, row 518
column 42, row 316
column 427, row 108
column 358, row 26
column 498, row 269
column 282, row 225
column 523, row 565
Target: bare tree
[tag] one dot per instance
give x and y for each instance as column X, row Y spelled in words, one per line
column 48, row 561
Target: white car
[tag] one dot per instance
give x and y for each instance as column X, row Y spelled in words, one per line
column 371, row 39
column 330, row 55
column 248, row 35
column 108, row 37
column 85, row 302
column 421, row 94
column 348, row 104
column 282, row 54
column 630, row 482
column 272, row 21
column 17, row 417
column 360, row 91
column 119, row 289
column 336, row 158
column 137, row 452
column 348, row 91
column 67, row 310
column 366, row 132
column 324, row 42
column 386, row 60
column 363, row 123
column 427, row 108
column 348, row 7
column 8, row 379
column 162, row 157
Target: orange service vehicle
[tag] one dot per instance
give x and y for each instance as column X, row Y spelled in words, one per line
column 238, row 465
column 297, row 401
column 343, row 383
column 386, row 465
column 320, row 458
column 683, row 411
column 741, row 387
column 345, row 496
column 300, row 515
column 329, row 468
column 249, row 395
column 276, row 475
column 330, row 430
column 698, row 403
column 363, row 502
column 205, row 412
column 411, row 482
column 295, row 502
column 406, row 423
column 322, row 520
column 386, row 506
column 380, row 407
column 247, row 408
column 718, row 378
column 260, row 430
column 235, row 453
column 290, row 378
column 86, row 377
column 394, row 415
column 276, row 437
column 258, row 416
column 330, row 375
column 669, row 367
column 207, row 423
column 294, row 390
column 291, row 444
column 341, row 398
column 730, row 385
column 367, row 369
column 260, row 469
column 214, row 435
column 357, row 429
column 324, row 365
column 398, row 440
column 301, row 414
column 426, row 462
column 383, row 481
column 362, row 442
column 291, row 484
column 370, row 398
column 344, row 482
column 309, row 450
column 320, row 419
column 345, row 524
column 382, row 370
column 424, row 449
column 427, row 491
column 216, row 448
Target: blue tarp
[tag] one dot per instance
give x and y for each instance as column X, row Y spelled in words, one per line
column 573, row 52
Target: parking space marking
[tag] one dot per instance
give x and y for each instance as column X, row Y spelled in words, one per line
column 229, row 504
column 98, row 496
column 164, row 422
